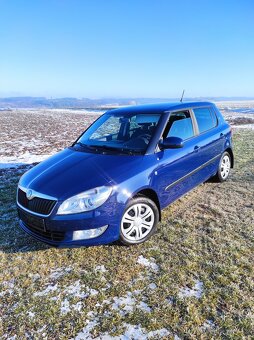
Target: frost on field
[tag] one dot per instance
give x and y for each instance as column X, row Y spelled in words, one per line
column 148, row 263
column 131, row 332
column 46, row 291
column 30, row 136
column 127, row 303
column 196, row 291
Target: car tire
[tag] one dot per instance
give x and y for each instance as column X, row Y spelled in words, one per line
column 139, row 221
column 224, row 168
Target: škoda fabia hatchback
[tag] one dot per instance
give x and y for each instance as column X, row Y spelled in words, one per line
column 115, row 179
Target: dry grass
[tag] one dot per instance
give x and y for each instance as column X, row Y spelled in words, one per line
column 205, row 240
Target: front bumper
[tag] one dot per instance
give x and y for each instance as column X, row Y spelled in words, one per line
column 57, row 230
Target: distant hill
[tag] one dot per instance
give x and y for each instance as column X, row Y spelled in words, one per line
column 81, row 103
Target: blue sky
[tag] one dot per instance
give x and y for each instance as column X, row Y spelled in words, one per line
column 134, row 48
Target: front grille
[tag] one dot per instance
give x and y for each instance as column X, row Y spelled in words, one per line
column 37, row 225
column 37, row 204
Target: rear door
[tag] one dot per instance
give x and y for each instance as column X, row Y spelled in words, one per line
column 210, row 140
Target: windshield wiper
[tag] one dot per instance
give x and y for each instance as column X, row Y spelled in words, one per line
column 122, row 150
column 97, row 147
column 110, row 148
column 106, row 147
column 84, row 145
column 133, row 151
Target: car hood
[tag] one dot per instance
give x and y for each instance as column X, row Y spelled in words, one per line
column 71, row 172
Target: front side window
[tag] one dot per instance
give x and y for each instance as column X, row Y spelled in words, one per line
column 205, row 119
column 179, row 125
column 121, row 131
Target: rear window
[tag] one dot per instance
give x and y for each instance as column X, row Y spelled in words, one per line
column 206, row 119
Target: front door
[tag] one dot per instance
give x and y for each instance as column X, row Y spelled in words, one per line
column 177, row 169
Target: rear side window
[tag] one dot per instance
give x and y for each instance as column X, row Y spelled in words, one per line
column 206, row 119
column 179, row 125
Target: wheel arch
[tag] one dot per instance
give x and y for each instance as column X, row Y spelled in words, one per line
column 152, row 195
column 229, row 150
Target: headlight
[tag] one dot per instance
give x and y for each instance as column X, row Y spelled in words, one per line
column 86, row 201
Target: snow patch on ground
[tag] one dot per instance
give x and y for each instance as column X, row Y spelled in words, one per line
column 26, row 158
column 127, row 303
column 31, row 314
column 131, row 332
column 57, row 273
column 143, row 306
column 92, row 292
column 208, row 324
column 76, row 290
column 152, row 286
column 244, row 126
column 9, row 284
column 9, row 288
column 77, row 306
column 148, row 263
column 35, row 277
column 52, row 112
column 137, row 332
column 7, row 291
column 196, row 291
column 86, row 331
column 49, row 289
column 65, row 307
column 101, row 269
column 176, row 337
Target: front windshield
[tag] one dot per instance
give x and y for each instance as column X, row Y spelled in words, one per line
column 129, row 132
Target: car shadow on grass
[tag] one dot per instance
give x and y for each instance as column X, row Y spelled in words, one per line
column 14, row 240
column 17, row 241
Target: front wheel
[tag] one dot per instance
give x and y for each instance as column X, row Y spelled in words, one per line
column 139, row 221
column 224, row 167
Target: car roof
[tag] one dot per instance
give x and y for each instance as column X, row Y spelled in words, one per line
column 160, row 107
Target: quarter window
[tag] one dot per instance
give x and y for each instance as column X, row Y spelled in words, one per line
column 205, row 118
column 179, row 125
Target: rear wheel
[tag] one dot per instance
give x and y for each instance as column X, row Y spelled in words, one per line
column 139, row 221
column 224, row 167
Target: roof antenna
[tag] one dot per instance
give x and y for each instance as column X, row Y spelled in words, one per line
column 182, row 96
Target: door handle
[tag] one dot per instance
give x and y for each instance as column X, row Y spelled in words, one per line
column 221, row 135
column 196, row 148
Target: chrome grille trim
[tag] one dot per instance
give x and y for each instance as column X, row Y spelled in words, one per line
column 37, row 195
column 31, row 212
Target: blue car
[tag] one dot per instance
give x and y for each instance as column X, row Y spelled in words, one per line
column 115, row 179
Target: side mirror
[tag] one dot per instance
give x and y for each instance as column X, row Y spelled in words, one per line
column 171, row 143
